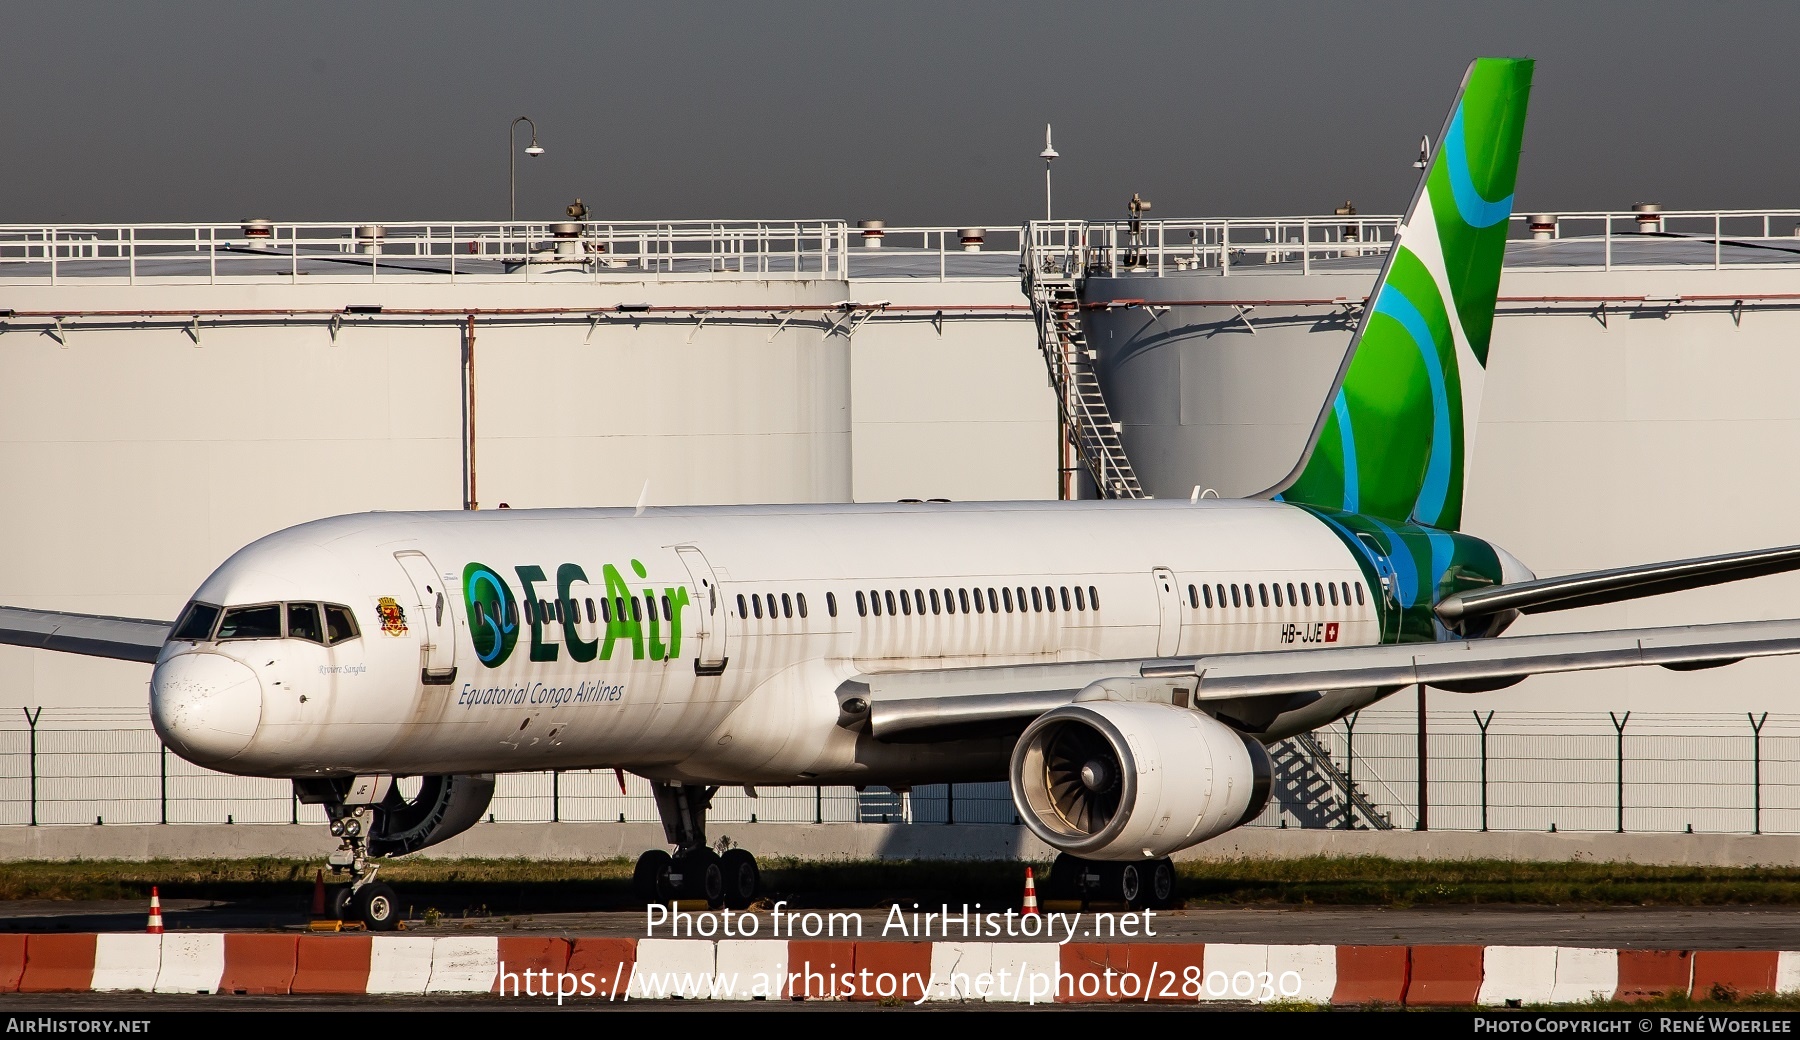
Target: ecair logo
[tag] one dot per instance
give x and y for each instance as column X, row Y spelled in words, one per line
column 1310, row 632
column 635, row 619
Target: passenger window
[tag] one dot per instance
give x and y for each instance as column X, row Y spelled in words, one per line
column 862, row 607
column 1264, row 590
column 831, row 603
column 637, row 613
column 1207, row 591
column 1037, row 602
column 1221, row 589
column 1193, row 597
column 1278, row 593
column 800, row 602
column 756, row 605
column 1094, row 597
column 303, row 622
column 1006, row 598
column 340, row 624
column 1359, row 594
column 1021, row 598
column 1234, row 597
column 906, row 604
column 668, row 615
column 934, row 601
column 251, row 623
column 919, row 601
column 993, row 601
column 743, row 608
column 1318, row 593
column 892, row 612
column 962, row 598
column 787, row 606
column 1305, row 595
column 591, row 615
column 1080, row 601
column 1065, row 598
column 606, row 610
column 1333, row 588
column 197, row 623
column 772, row 614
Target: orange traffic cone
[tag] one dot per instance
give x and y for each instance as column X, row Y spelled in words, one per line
column 318, row 902
column 1030, row 893
column 155, row 926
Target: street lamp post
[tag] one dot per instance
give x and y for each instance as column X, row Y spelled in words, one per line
column 512, row 159
column 1047, row 155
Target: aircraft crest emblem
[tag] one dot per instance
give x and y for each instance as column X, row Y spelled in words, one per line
column 392, row 615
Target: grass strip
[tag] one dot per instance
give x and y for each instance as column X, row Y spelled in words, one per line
column 599, row 884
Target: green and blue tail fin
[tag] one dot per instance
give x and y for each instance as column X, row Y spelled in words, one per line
column 1394, row 439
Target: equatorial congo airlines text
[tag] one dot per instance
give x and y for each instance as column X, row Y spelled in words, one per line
column 968, row 922
column 584, row 692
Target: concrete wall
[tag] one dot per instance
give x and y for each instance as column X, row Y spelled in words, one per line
column 585, row 841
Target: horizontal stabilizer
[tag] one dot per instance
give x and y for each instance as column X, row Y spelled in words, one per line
column 1611, row 586
column 91, row 635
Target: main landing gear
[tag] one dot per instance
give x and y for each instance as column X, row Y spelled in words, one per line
column 364, row 898
column 694, row 871
column 1138, row 885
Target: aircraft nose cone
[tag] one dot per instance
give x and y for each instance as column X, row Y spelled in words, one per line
column 205, row 707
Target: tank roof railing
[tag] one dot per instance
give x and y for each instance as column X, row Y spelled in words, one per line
column 1644, row 237
column 260, row 251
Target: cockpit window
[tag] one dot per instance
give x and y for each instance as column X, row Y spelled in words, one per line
column 340, row 624
column 197, row 623
column 303, row 622
column 261, row 622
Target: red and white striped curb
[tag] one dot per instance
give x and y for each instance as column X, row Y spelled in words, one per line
column 743, row 969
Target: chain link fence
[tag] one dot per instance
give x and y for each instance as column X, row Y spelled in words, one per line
column 1512, row 771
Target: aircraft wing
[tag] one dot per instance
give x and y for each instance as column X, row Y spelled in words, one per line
column 905, row 705
column 92, row 635
column 1610, row 586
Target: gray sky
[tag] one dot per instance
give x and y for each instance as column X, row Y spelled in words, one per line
column 914, row 112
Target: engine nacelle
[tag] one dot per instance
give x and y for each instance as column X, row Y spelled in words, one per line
column 444, row 807
column 1111, row 780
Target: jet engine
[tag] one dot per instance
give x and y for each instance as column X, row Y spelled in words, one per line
column 1111, row 780
column 444, row 807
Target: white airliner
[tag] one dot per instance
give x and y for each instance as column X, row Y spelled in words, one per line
column 1122, row 664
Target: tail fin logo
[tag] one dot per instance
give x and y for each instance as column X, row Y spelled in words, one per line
column 1394, row 439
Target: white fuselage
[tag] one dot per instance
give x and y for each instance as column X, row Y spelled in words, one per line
column 409, row 693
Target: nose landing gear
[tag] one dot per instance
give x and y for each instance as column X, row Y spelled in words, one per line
column 363, row 899
column 694, row 871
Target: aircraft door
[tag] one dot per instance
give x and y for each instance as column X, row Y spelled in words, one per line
column 1168, row 605
column 709, row 607
column 436, row 619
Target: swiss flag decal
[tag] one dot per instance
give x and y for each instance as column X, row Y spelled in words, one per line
column 1331, row 631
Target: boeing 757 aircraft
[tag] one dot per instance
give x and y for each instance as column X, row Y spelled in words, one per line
column 1123, row 664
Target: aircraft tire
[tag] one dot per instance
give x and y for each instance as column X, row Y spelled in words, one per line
column 1162, row 884
column 650, row 878
column 1064, row 879
column 343, row 903
column 703, row 877
column 378, row 907
column 1131, row 885
column 742, row 878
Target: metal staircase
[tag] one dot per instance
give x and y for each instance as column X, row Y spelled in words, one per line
column 1086, row 421
column 1316, row 792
